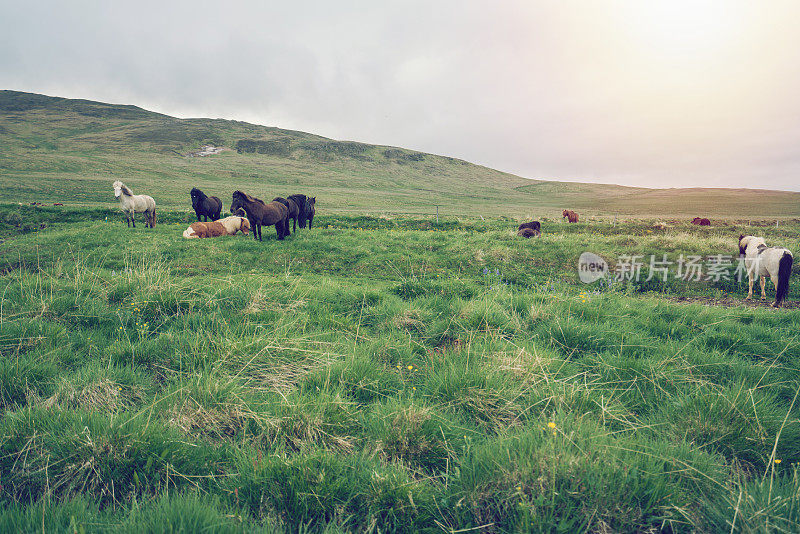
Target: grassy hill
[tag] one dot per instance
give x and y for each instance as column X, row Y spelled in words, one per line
column 64, row 150
column 375, row 374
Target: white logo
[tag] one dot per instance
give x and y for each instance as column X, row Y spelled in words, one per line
column 591, row 267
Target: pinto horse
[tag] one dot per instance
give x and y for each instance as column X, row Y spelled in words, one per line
column 132, row 204
column 570, row 215
column 760, row 261
column 227, row 226
column 204, row 205
column 261, row 214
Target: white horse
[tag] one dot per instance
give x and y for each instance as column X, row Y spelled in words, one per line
column 760, row 261
column 132, row 204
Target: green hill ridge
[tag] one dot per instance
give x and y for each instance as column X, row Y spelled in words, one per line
column 66, row 150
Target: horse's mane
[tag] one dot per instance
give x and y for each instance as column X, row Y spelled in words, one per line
column 199, row 193
column 125, row 189
column 247, row 197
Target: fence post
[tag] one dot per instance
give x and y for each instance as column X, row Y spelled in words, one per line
column 437, row 214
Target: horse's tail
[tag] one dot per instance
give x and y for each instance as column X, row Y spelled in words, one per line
column 153, row 218
column 784, row 271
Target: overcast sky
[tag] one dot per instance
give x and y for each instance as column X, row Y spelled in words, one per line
column 673, row 93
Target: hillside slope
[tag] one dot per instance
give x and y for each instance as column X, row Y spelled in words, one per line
column 63, row 150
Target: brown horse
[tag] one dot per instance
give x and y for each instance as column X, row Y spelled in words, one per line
column 533, row 225
column 701, row 222
column 259, row 213
column 570, row 215
column 294, row 212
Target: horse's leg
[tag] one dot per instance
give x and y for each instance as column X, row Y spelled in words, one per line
column 294, row 224
column 763, row 287
column 749, row 286
column 133, row 218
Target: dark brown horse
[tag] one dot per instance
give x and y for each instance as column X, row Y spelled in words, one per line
column 305, row 206
column 205, row 205
column 533, row 225
column 311, row 209
column 293, row 212
column 701, row 222
column 570, row 215
column 261, row 214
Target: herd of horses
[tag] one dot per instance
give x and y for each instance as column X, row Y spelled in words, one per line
column 298, row 208
column 250, row 213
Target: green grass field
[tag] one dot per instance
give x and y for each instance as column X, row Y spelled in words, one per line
column 386, row 375
column 381, row 372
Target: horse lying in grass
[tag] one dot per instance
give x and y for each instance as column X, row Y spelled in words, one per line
column 261, row 214
column 701, row 222
column 226, row 226
column 570, row 215
column 132, row 204
column 205, row 205
column 760, row 261
column 527, row 233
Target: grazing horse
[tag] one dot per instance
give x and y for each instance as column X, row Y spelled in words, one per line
column 132, row 204
column 259, row 213
column 570, row 215
column 294, row 212
column 226, row 226
column 305, row 206
column 701, row 222
column 533, row 225
column 760, row 261
column 311, row 209
column 204, row 205
column 528, row 232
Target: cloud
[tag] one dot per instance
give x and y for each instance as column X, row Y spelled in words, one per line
column 573, row 90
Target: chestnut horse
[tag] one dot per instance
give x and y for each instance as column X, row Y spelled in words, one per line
column 570, row 215
column 701, row 222
column 261, row 214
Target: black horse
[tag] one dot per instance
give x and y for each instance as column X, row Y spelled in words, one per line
column 306, row 209
column 205, row 205
column 294, row 211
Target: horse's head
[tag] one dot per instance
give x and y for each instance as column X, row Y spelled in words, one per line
column 564, row 213
column 118, row 188
column 244, row 225
column 237, row 202
column 742, row 244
